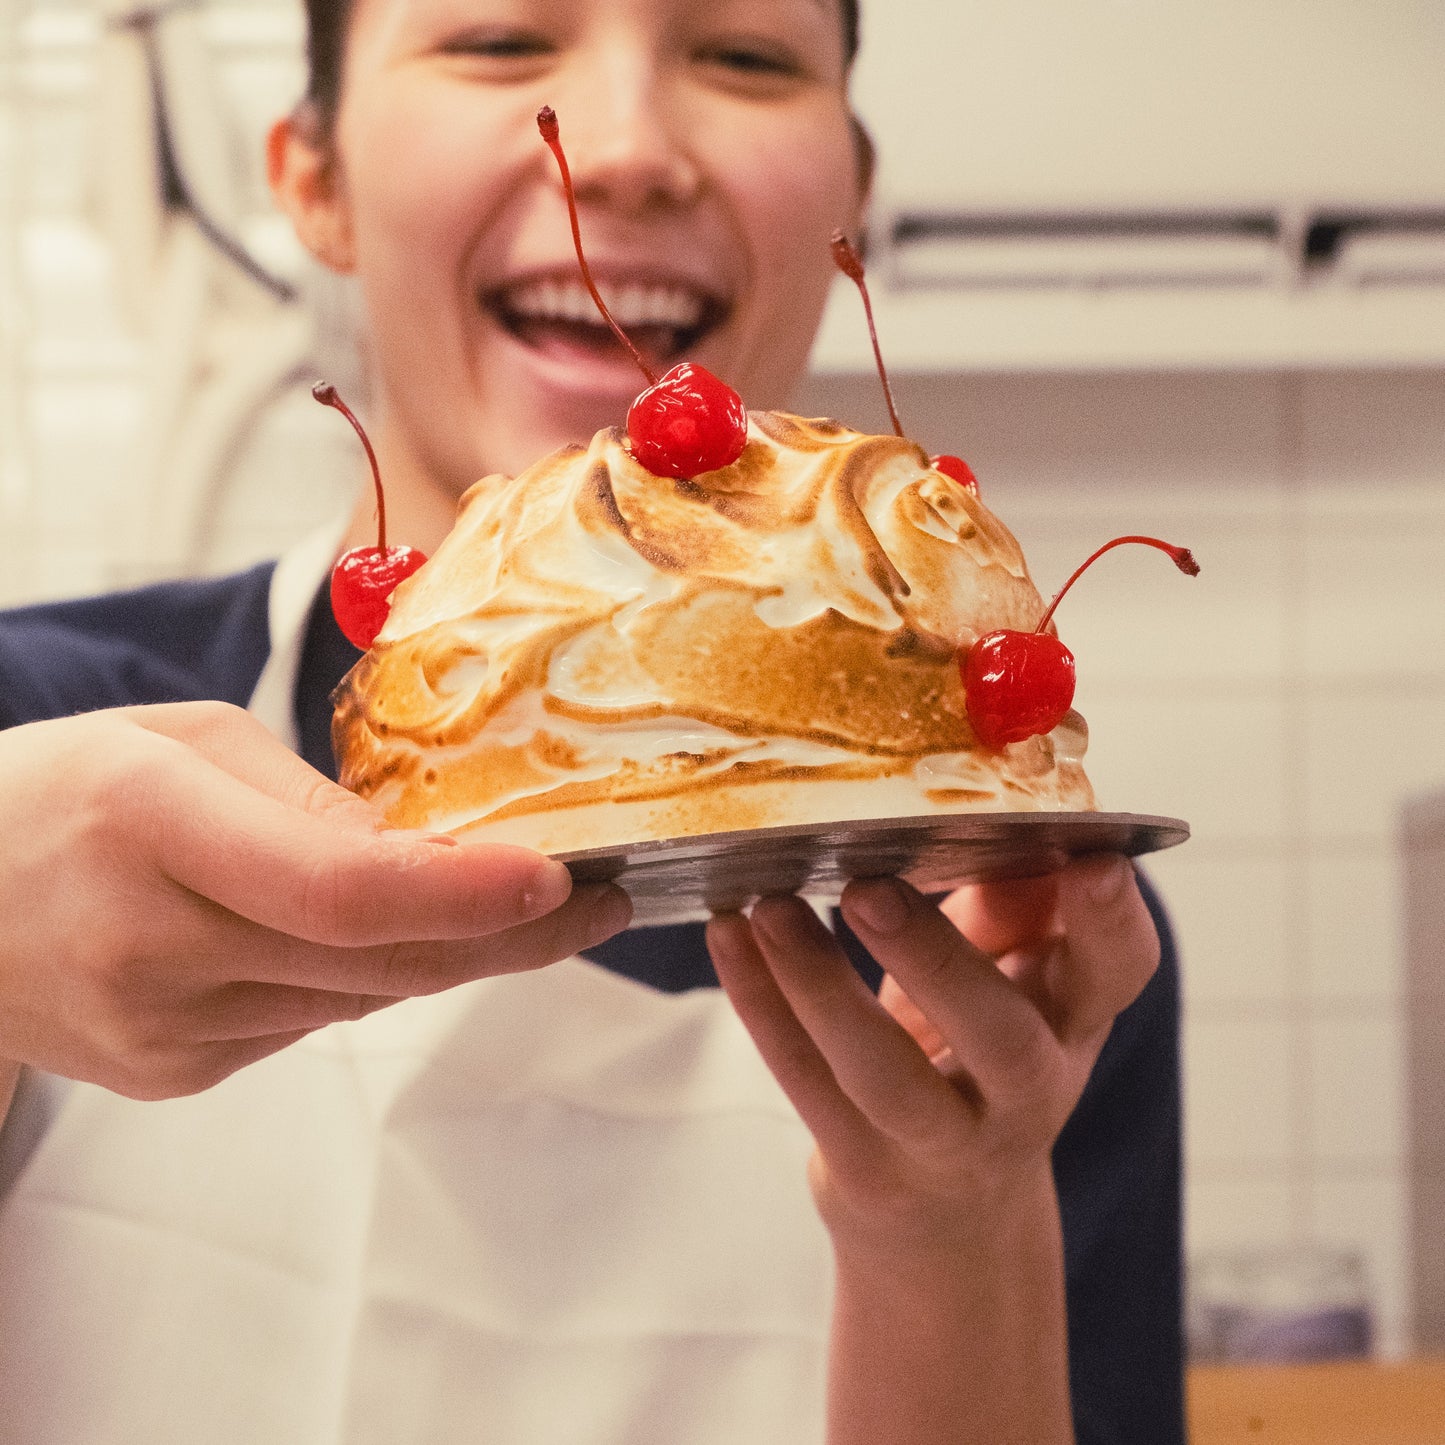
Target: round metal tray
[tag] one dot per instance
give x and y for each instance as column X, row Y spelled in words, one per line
column 673, row 879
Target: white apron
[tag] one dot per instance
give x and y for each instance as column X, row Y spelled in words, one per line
column 555, row 1208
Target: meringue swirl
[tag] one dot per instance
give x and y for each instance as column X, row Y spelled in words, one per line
column 774, row 642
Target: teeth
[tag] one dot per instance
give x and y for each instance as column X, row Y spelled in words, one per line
column 631, row 304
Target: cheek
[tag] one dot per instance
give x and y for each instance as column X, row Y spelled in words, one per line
column 793, row 196
column 789, row 199
column 416, row 181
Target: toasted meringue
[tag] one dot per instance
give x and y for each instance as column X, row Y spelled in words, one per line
column 596, row 655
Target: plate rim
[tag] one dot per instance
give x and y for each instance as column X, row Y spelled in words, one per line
column 641, row 849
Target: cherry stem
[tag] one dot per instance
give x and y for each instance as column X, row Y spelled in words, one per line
column 1182, row 558
column 551, row 133
column 327, row 395
column 850, row 263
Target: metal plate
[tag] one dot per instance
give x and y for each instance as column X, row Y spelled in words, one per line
column 673, row 879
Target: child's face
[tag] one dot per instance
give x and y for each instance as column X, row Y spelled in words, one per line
column 710, row 144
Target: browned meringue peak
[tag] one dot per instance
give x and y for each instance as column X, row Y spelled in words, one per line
column 589, row 625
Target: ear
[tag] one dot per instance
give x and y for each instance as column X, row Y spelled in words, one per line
column 865, row 156
column 306, row 183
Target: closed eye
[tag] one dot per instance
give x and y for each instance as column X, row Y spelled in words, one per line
column 753, row 60
column 757, row 68
column 499, row 44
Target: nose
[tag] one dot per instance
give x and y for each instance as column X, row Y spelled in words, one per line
column 625, row 138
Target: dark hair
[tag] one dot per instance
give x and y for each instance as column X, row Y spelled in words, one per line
column 326, row 22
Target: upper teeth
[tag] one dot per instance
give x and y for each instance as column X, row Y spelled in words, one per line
column 630, row 304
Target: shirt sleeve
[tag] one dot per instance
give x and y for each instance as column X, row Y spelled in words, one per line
column 1118, row 1166
column 174, row 642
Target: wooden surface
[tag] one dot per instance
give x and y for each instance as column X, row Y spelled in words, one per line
column 1335, row 1404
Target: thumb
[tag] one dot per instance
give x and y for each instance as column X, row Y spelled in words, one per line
column 240, row 745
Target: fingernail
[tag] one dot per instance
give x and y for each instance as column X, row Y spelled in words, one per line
column 881, row 906
column 548, row 888
column 610, row 914
column 768, row 918
column 1105, row 884
column 782, row 917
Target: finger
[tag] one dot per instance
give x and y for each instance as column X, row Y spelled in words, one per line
column 792, row 1057
column 247, row 1010
column 993, row 1030
column 874, row 1060
column 240, row 745
column 225, row 1058
column 302, row 875
column 920, row 1029
column 234, row 949
column 1109, row 951
column 1001, row 916
column 194, row 1070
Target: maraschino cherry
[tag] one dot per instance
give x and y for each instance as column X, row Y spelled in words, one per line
column 1018, row 684
column 850, row 263
column 364, row 578
column 687, row 421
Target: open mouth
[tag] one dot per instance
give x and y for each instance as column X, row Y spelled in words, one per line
column 663, row 319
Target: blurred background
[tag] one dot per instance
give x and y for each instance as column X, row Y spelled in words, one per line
column 1170, row 266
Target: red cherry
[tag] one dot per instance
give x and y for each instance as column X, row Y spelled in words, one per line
column 364, row 578
column 687, row 421
column 361, row 586
column 1019, row 684
column 956, row 468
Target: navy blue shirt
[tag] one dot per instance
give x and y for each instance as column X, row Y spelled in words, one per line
column 1117, row 1163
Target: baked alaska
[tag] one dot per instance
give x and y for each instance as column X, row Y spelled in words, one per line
column 597, row 655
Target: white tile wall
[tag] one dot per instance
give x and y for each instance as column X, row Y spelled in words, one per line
column 1250, row 1209
column 1284, row 702
column 1370, row 444
column 1353, row 944
column 1357, row 1088
column 1216, row 756
column 1368, row 746
column 1238, row 898
column 1240, row 1102
column 1374, row 596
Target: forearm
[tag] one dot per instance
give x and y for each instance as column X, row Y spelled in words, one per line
column 970, row 1349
